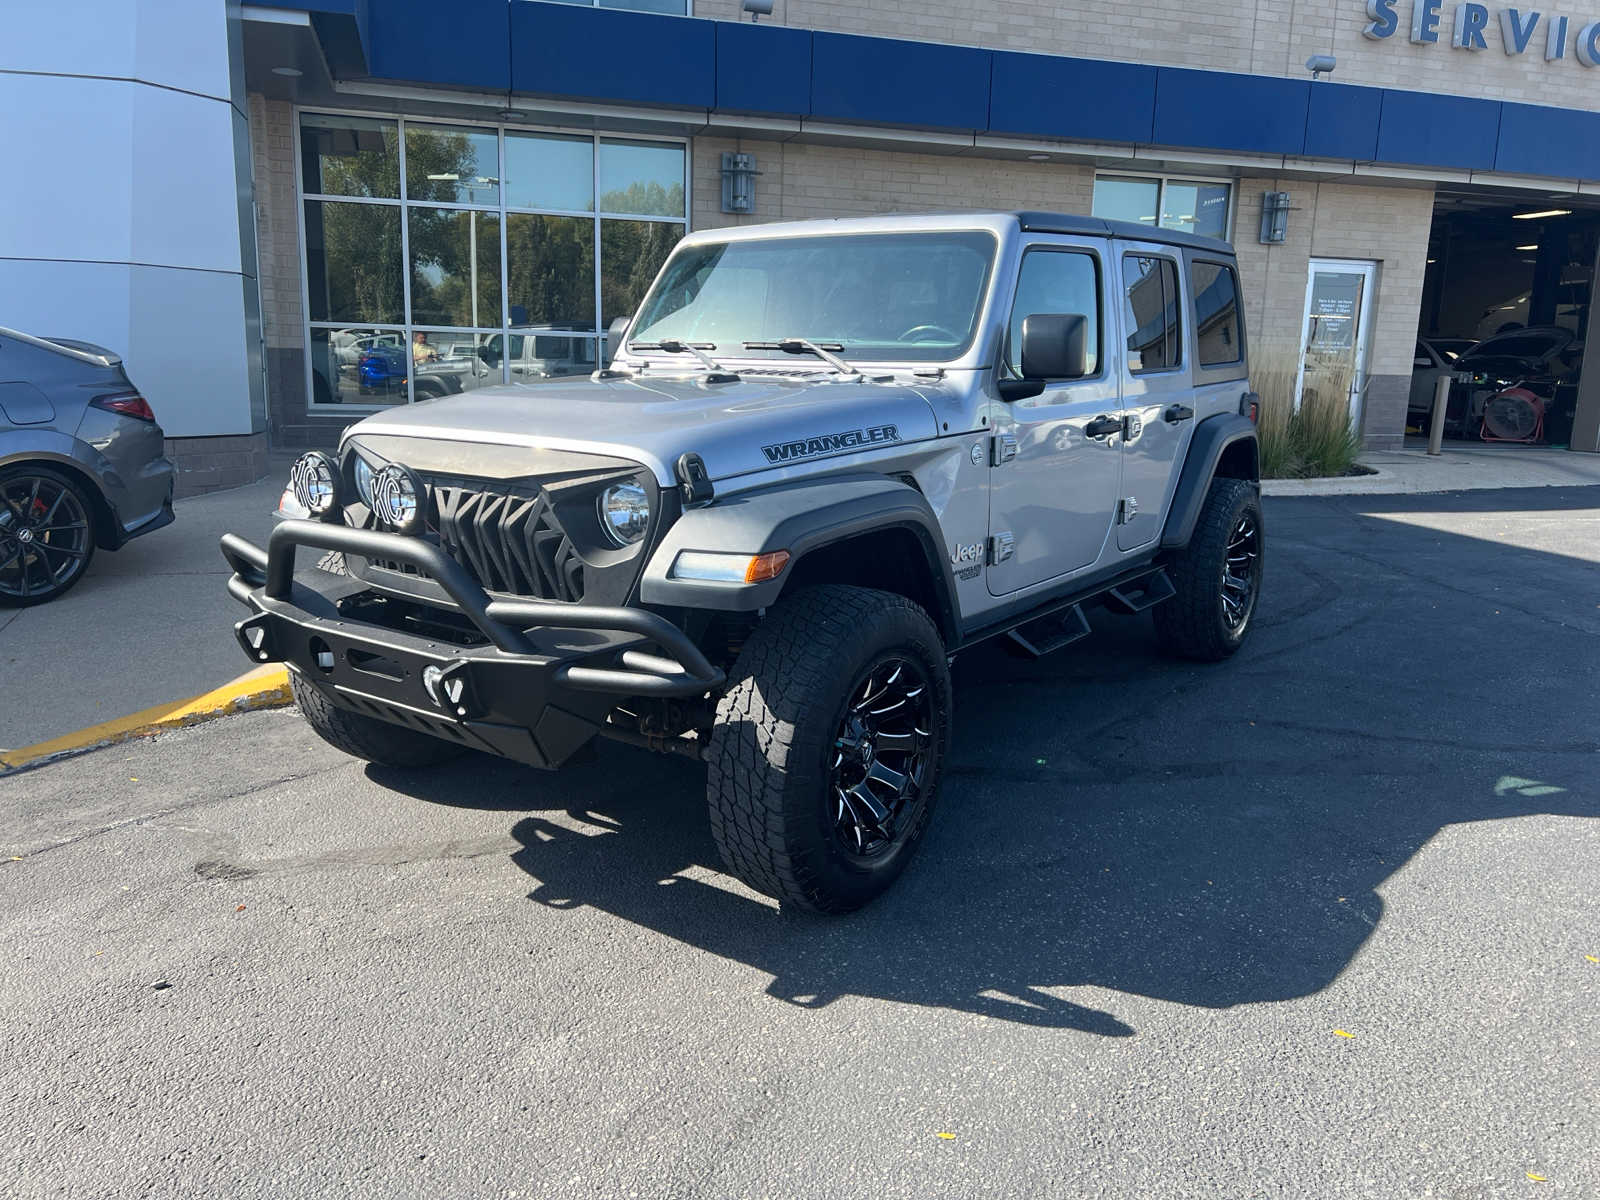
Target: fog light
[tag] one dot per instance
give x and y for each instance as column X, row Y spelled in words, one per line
column 730, row 568
column 314, row 480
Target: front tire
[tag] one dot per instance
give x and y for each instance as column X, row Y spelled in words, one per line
column 1217, row 576
column 826, row 756
column 361, row 736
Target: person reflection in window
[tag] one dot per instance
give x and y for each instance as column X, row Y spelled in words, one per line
column 421, row 352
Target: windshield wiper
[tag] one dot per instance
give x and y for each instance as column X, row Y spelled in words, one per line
column 716, row 372
column 794, row 345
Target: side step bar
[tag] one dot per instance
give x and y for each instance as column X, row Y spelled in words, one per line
column 1062, row 621
column 1045, row 635
column 1140, row 594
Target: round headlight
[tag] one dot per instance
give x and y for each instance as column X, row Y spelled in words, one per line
column 624, row 512
column 314, row 479
column 397, row 497
column 364, row 475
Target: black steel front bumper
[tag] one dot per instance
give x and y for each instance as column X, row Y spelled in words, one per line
column 538, row 690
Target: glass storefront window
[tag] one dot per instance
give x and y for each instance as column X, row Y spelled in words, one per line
column 536, row 357
column 550, row 171
column 358, row 366
column 641, row 177
column 550, row 265
column 406, row 298
column 1127, row 199
column 353, row 263
column 1194, row 206
column 446, row 362
column 455, row 267
column 449, row 165
column 350, row 156
column 631, row 252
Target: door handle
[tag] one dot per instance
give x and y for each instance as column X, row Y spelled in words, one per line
column 1103, row 426
column 1176, row 413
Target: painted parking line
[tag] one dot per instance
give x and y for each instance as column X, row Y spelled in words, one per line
column 264, row 687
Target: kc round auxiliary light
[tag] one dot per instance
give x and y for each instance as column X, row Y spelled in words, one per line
column 314, row 480
column 397, row 497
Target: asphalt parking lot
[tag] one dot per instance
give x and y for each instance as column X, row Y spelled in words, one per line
column 1155, row 899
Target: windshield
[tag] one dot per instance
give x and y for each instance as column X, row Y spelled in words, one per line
column 903, row 297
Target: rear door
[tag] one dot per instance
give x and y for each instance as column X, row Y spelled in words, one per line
column 1053, row 485
column 1157, row 392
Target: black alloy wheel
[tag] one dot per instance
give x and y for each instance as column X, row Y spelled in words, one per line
column 1216, row 578
column 825, row 759
column 46, row 536
column 1240, row 578
column 880, row 758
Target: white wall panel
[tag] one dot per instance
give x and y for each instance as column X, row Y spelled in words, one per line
column 67, row 149
column 183, row 44
column 185, row 200
column 80, row 300
column 70, row 37
column 188, row 331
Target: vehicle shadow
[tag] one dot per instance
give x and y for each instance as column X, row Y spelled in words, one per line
column 1115, row 822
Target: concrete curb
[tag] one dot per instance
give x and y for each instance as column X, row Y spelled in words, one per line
column 264, row 687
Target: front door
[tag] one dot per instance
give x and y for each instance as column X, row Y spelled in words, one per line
column 1055, row 470
column 1334, row 337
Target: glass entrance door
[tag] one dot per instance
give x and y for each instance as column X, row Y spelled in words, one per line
column 1334, row 337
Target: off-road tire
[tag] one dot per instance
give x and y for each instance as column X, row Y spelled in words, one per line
column 376, row 741
column 1192, row 623
column 773, row 746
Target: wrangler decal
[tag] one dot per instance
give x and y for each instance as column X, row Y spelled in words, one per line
column 830, row 443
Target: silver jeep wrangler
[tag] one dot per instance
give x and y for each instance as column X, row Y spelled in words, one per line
column 827, row 457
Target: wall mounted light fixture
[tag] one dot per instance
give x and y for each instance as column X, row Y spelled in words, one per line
column 1274, row 218
column 738, row 181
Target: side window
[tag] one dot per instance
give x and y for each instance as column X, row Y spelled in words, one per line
column 1216, row 313
column 1056, row 281
column 1151, row 312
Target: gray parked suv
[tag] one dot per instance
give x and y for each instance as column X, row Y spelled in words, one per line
column 82, row 464
column 829, row 456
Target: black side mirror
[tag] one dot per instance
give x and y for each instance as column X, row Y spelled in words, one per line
column 1054, row 346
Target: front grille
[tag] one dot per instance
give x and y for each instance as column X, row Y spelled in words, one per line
column 511, row 541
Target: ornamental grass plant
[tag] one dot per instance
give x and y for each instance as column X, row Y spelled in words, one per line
column 1318, row 439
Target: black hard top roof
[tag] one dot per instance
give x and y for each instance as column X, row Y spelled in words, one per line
column 1048, row 222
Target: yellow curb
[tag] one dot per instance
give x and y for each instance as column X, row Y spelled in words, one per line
column 264, row 687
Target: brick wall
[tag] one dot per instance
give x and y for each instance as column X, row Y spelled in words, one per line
column 1268, row 38
column 801, row 181
column 290, row 425
column 210, row 464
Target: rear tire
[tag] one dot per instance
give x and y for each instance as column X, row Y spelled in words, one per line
column 825, row 759
column 47, row 534
column 376, row 741
column 1217, row 576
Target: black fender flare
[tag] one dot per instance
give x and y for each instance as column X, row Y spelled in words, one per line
column 1212, row 438
column 798, row 517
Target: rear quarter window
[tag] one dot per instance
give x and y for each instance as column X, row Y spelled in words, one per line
column 1216, row 313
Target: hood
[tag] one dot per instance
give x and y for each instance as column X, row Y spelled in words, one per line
column 736, row 428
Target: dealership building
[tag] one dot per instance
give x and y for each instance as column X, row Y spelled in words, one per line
column 287, row 214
